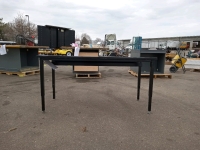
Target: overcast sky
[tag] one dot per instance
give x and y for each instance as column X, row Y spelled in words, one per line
column 126, row 18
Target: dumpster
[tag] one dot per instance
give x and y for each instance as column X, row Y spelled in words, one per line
column 19, row 59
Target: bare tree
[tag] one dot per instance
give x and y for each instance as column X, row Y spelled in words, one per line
column 84, row 41
column 97, row 40
column 86, row 36
column 20, row 26
column 2, row 30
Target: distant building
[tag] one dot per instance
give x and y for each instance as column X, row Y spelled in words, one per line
column 192, row 41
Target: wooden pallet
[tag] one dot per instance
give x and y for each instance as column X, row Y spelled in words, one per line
column 147, row 75
column 84, row 75
column 195, row 70
column 168, row 63
column 21, row 74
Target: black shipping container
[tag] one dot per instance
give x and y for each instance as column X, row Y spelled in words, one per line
column 70, row 37
column 54, row 36
column 61, row 37
column 43, row 36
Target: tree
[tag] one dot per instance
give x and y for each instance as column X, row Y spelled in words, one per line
column 86, row 36
column 97, row 40
column 2, row 30
column 84, row 41
column 20, row 26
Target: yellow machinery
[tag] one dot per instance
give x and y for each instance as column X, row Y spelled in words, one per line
column 170, row 56
column 177, row 62
column 66, row 52
column 184, row 45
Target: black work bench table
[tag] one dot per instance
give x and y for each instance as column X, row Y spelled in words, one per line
column 95, row 61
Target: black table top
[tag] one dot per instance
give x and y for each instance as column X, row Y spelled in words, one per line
column 93, row 59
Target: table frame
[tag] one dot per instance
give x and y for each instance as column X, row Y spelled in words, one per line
column 96, row 61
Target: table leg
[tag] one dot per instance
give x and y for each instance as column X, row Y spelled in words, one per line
column 53, row 83
column 42, row 84
column 139, row 81
column 150, row 85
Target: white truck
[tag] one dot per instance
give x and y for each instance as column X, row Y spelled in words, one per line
column 111, row 41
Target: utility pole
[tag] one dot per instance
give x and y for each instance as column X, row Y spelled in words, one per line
column 28, row 24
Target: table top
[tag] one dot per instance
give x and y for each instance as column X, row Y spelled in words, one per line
column 25, row 46
column 83, row 58
column 85, row 48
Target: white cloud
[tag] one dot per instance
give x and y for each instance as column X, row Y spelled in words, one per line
column 103, row 4
column 127, row 18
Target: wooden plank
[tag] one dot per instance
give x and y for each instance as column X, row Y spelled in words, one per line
column 193, row 58
column 171, row 55
column 168, row 63
column 66, row 47
column 195, row 70
column 87, row 68
column 89, row 54
column 25, row 46
column 147, row 75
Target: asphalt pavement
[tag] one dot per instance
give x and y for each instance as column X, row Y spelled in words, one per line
column 100, row 114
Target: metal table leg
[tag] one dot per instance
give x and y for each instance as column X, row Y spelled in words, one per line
column 139, row 81
column 150, row 85
column 53, row 83
column 42, row 83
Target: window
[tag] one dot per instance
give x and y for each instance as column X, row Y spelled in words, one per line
column 112, row 43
